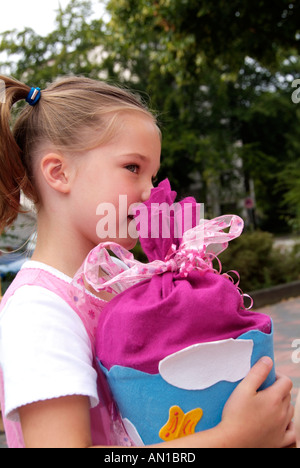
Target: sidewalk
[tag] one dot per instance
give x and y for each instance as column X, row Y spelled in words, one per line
column 2, row 441
column 286, row 319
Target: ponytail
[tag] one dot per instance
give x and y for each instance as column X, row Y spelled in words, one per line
column 13, row 173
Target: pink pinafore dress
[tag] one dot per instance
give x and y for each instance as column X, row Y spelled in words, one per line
column 106, row 426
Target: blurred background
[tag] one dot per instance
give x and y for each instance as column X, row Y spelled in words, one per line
column 224, row 79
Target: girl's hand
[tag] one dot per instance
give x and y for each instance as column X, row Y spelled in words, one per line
column 259, row 419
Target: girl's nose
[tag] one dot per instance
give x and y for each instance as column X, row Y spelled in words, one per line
column 147, row 192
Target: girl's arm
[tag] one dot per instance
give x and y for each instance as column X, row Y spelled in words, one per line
column 58, row 423
column 250, row 418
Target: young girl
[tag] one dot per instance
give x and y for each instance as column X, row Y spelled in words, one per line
column 76, row 145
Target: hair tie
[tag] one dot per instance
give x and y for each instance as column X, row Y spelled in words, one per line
column 33, row 96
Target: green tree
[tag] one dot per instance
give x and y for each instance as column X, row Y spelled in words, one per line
column 220, row 74
column 70, row 49
column 268, row 124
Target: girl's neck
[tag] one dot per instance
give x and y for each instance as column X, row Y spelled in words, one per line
column 60, row 248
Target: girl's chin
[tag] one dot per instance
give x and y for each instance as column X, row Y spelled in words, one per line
column 127, row 235
column 128, row 244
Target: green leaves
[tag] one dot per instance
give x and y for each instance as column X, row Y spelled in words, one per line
column 40, row 59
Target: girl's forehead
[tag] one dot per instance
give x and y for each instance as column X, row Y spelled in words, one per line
column 139, row 121
column 139, row 131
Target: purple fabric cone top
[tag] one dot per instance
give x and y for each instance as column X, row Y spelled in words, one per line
column 167, row 313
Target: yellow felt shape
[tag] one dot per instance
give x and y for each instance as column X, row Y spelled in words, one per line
column 180, row 424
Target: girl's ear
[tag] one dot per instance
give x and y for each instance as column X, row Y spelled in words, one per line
column 55, row 170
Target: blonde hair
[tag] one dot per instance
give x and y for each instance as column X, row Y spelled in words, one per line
column 74, row 114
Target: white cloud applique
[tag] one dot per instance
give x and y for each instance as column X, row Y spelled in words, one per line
column 201, row 366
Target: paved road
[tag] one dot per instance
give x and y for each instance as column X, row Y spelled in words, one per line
column 286, row 318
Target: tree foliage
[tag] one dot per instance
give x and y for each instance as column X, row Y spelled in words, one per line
column 220, row 74
column 68, row 49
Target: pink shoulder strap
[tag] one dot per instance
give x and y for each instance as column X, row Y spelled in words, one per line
column 38, row 277
column 101, row 422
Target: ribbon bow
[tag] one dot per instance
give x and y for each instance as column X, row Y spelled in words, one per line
column 199, row 247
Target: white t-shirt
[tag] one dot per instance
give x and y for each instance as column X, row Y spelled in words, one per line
column 45, row 351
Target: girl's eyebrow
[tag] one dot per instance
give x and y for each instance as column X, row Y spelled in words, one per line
column 139, row 156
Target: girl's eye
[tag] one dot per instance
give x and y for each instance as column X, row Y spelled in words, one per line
column 134, row 168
